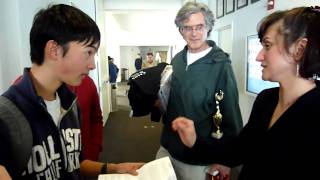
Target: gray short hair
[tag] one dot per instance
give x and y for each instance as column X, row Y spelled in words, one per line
column 191, row 8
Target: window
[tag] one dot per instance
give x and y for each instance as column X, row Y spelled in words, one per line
column 254, row 82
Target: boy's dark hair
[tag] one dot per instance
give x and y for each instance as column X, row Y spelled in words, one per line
column 149, row 54
column 63, row 24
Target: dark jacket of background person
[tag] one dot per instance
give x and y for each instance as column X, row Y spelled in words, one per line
column 113, row 72
column 91, row 122
column 138, row 63
column 193, row 96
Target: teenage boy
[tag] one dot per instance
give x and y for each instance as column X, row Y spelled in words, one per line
column 63, row 42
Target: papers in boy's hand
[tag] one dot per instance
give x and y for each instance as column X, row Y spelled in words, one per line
column 160, row 169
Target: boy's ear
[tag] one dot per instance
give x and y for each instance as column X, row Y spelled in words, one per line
column 52, row 49
column 300, row 46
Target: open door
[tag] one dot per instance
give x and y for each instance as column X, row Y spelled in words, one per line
column 104, row 84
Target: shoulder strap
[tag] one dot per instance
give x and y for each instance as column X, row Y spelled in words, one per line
column 19, row 136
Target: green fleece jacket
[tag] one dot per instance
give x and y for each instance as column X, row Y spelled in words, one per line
column 192, row 95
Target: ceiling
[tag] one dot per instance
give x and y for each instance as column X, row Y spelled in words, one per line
column 143, row 15
column 144, row 5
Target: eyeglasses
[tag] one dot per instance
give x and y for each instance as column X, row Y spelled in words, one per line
column 197, row 28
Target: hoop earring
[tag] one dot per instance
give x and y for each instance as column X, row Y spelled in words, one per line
column 297, row 72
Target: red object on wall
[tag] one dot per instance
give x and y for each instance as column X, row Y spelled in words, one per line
column 270, row 4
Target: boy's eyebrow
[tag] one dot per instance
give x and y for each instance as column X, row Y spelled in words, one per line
column 93, row 47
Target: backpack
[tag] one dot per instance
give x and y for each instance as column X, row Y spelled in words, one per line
column 16, row 131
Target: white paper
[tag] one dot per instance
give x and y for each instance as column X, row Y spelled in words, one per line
column 159, row 169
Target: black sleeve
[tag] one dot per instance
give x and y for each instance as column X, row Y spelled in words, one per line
column 234, row 151
column 207, row 152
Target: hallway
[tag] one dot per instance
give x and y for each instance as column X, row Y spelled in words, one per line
column 129, row 139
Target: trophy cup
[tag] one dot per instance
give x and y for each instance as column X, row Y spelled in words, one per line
column 217, row 118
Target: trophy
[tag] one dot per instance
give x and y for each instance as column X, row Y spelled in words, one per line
column 217, row 118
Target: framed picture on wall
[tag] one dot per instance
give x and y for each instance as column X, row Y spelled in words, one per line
column 253, row 1
column 241, row 3
column 220, row 8
column 229, row 6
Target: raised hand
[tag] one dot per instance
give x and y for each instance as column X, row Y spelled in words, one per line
column 186, row 130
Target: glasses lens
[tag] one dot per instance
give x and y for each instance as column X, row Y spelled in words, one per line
column 197, row 28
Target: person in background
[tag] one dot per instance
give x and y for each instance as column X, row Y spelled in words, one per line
column 113, row 72
column 202, row 86
column 91, row 122
column 281, row 139
column 138, row 62
column 63, row 43
column 149, row 62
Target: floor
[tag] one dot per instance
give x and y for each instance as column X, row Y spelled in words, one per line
column 126, row 138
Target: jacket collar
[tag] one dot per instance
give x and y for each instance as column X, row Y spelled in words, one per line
column 215, row 55
column 26, row 88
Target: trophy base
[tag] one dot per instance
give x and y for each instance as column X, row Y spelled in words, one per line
column 217, row 135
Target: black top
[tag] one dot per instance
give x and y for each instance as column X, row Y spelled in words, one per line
column 138, row 63
column 288, row 150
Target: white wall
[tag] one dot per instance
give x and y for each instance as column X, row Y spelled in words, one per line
column 105, row 89
column 119, row 5
column 128, row 55
column 244, row 22
column 16, row 18
column 10, row 42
